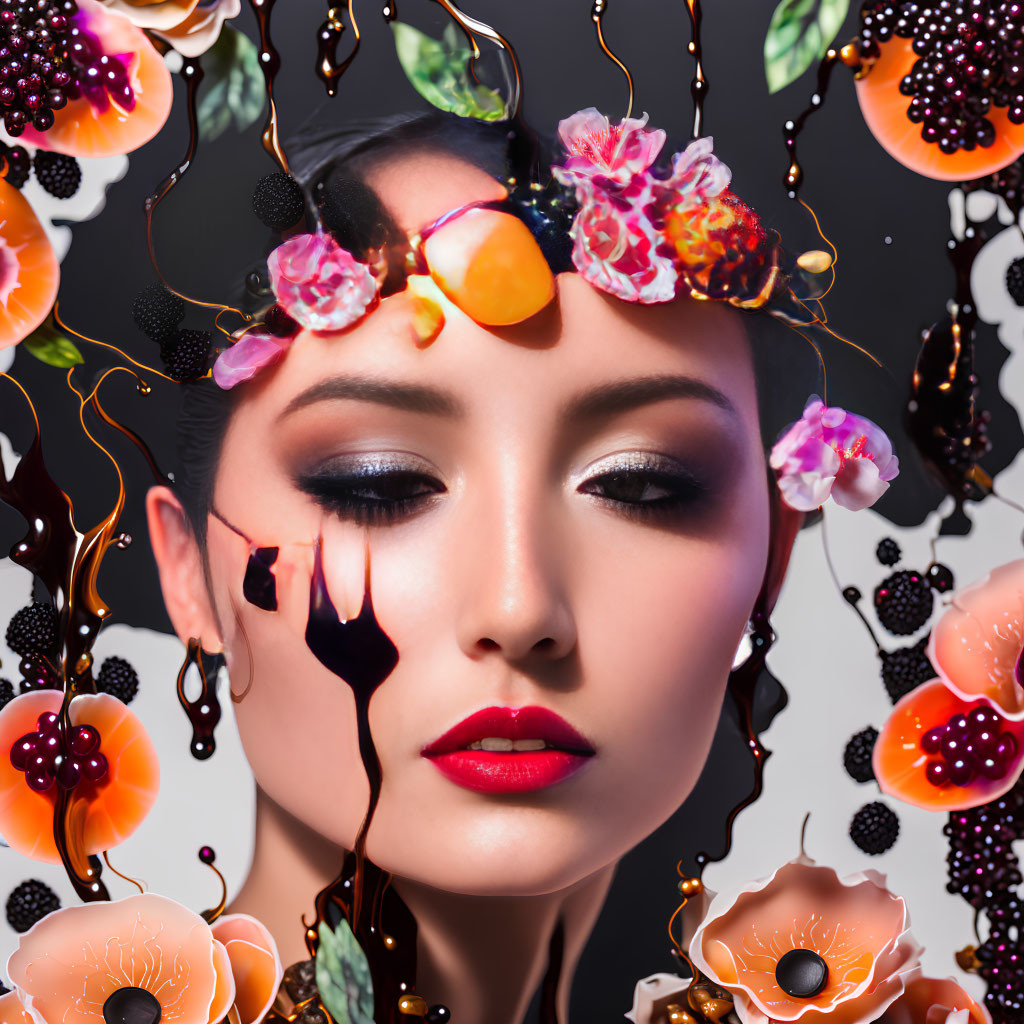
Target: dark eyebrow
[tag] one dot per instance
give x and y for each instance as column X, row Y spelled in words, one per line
column 408, row 397
column 623, row 395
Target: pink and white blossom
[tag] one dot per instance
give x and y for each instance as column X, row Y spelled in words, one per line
column 599, row 149
column 319, row 284
column 830, row 452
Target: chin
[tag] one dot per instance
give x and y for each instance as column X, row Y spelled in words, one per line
column 497, row 851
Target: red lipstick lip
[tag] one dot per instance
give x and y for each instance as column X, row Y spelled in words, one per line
column 529, row 723
column 493, row 772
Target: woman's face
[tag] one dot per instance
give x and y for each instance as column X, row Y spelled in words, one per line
column 569, row 515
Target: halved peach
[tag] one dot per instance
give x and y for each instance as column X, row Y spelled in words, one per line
column 82, row 129
column 105, row 812
column 29, row 272
column 884, row 109
column 900, row 763
column 489, row 264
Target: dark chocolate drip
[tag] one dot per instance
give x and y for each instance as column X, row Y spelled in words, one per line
column 270, row 62
column 362, row 654
column 552, row 976
column 158, row 475
column 943, row 420
column 204, row 711
column 795, row 175
column 259, row 587
column 699, row 86
column 328, row 67
column 192, row 73
column 742, row 689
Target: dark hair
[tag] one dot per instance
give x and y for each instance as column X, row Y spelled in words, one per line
column 332, row 164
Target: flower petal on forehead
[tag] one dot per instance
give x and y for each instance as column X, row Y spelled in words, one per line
column 246, row 357
column 977, row 642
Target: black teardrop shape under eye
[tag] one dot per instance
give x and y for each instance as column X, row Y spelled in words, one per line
column 259, row 587
column 131, row 1005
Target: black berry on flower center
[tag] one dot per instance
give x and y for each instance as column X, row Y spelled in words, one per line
column 969, row 745
column 801, row 973
column 47, row 757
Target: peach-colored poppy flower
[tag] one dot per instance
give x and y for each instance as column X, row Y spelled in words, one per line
column 71, row 962
column 977, row 643
column 103, row 813
column 855, row 926
column 930, row 751
column 935, row 1001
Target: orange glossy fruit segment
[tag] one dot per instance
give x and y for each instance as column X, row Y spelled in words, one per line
column 106, row 812
column 81, row 129
column 29, row 272
column 885, row 111
column 489, row 264
column 900, row 763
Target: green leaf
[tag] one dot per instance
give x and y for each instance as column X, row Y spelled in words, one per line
column 233, row 88
column 439, row 70
column 49, row 346
column 798, row 36
column 343, row 976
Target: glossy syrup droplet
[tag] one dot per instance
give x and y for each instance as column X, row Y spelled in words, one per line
column 259, row 587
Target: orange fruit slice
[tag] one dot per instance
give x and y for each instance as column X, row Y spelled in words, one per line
column 29, row 272
column 80, row 129
column 885, row 111
column 489, row 264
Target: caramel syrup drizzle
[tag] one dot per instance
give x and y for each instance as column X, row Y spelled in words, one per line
column 270, row 62
column 328, row 67
column 597, row 13
column 699, row 86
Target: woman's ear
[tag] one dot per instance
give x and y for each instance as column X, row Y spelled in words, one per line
column 180, row 564
column 786, row 523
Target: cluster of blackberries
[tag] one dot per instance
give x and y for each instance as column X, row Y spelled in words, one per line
column 60, row 175
column 37, row 73
column 875, row 828
column 278, row 201
column 158, row 313
column 1002, row 961
column 30, row 902
column 888, row 551
column 1015, row 280
column 857, row 755
column 119, row 679
column 981, row 863
column 970, row 59
column 904, row 602
column 968, row 746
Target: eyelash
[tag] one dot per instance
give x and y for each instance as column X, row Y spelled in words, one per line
column 339, row 493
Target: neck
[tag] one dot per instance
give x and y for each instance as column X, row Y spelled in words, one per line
column 482, row 956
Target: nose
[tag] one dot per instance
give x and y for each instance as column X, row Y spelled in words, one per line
column 514, row 598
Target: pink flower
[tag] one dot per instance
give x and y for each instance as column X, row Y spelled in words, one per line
column 854, row 927
column 152, row 951
column 697, row 174
column 598, row 149
column 246, row 357
column 830, row 451
column 615, row 248
column 320, row 284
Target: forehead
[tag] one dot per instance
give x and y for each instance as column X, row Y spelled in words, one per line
column 582, row 340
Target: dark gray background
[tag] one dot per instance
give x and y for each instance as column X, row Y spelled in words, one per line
column 205, row 232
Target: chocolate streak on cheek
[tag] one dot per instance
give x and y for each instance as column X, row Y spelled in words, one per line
column 362, row 654
column 259, row 587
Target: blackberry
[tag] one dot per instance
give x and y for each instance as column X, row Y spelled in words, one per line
column 37, row 673
column 33, row 630
column 278, row 201
column 186, row 354
column 6, row 692
column 874, row 828
column 157, row 312
column 1015, row 280
column 18, row 165
column 969, row 61
column 904, row 602
column 60, row 175
column 888, row 551
column 981, row 863
column 29, row 902
column 1002, row 962
column 119, row 679
column 300, row 981
column 279, row 323
column 857, row 756
column 906, row 668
